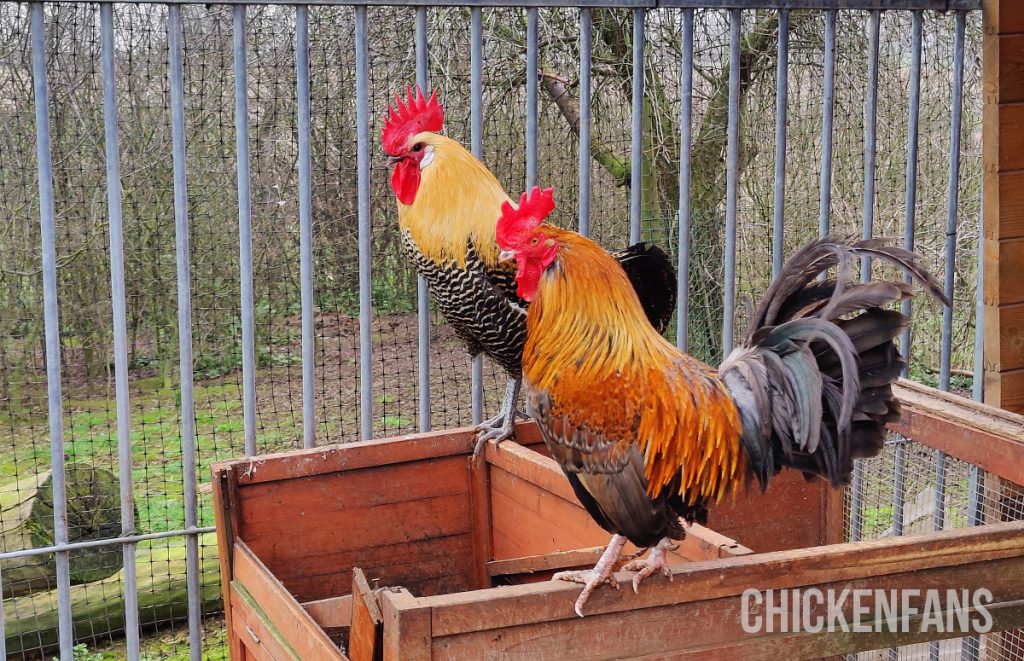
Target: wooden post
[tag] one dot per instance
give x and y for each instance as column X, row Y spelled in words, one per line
column 1003, row 153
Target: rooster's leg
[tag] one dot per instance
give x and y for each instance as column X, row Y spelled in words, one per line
column 601, row 573
column 656, row 561
column 501, row 426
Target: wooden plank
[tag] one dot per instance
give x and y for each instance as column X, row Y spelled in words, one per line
column 446, row 562
column 255, row 629
column 975, row 433
column 359, row 528
column 406, row 626
column 480, row 494
column 682, row 629
column 364, row 454
column 221, row 483
column 330, row 613
column 1011, row 136
column 365, row 640
column 1003, row 16
column 540, row 602
column 545, row 562
column 295, row 624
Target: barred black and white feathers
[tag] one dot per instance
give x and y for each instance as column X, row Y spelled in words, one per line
column 812, row 382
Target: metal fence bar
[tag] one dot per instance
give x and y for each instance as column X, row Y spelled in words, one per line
column 532, row 28
column 52, row 323
column 870, row 126
column 120, row 327
column 305, row 223
column 363, row 183
column 586, row 53
column 732, row 169
column 910, row 215
column 476, row 112
column 867, row 230
column 685, row 172
column 781, row 112
column 971, row 648
column 828, row 103
column 110, row 541
column 422, row 295
column 182, row 254
column 637, row 139
column 245, row 232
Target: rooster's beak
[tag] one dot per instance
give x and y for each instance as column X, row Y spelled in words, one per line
column 394, row 159
column 506, row 255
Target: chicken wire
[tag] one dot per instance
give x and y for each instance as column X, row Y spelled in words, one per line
column 73, row 57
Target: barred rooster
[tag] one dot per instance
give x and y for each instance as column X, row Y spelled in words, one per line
column 448, row 206
column 650, row 437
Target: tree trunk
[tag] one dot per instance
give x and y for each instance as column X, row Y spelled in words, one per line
column 93, row 498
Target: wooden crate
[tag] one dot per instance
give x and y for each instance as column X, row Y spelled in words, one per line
column 406, row 548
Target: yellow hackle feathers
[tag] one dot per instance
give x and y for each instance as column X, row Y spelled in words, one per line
column 458, row 201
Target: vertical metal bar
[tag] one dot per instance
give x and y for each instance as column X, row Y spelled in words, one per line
column 305, row 223
column 636, row 169
column 732, row 170
column 781, row 115
column 827, row 110
column 685, row 170
column 971, row 649
column 910, row 214
column 952, row 208
column 182, row 253
column 586, row 54
column 245, row 232
column 870, row 117
column 3, row 627
column 120, row 323
column 363, row 177
column 52, row 325
column 476, row 56
column 870, row 125
column 910, row 203
column 531, row 96
column 422, row 295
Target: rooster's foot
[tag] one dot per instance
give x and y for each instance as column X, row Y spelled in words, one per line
column 655, row 562
column 600, row 574
column 503, row 425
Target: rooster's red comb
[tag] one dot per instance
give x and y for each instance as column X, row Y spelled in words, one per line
column 516, row 224
column 416, row 115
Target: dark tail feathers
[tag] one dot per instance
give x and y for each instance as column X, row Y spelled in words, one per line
column 813, row 380
column 653, row 276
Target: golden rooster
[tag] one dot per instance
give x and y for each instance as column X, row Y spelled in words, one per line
column 448, row 206
column 649, row 436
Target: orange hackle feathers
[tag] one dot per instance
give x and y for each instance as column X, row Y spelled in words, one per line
column 605, row 367
column 416, row 115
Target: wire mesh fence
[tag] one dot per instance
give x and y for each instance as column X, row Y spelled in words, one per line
column 350, row 392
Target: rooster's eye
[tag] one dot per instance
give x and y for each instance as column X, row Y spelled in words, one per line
column 418, row 146
column 534, row 241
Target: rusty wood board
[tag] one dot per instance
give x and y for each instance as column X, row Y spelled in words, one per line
column 981, row 435
column 294, row 623
column 406, row 626
column 363, row 454
column 365, row 641
column 330, row 613
column 541, row 602
column 255, row 630
column 483, row 542
column 682, row 628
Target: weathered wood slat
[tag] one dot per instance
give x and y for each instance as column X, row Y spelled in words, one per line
column 982, row 435
column 308, row 640
column 254, row 631
column 541, row 602
column 365, row 640
column 407, row 624
column 330, row 613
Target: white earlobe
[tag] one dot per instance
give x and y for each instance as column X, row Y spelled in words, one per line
column 428, row 157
